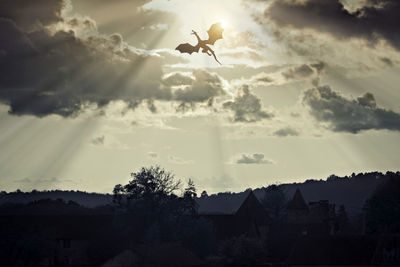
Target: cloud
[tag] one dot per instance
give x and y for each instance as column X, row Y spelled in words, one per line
column 178, row 160
column 152, row 155
column 377, row 20
column 264, row 79
column 204, row 87
column 139, row 25
column 178, row 79
column 246, row 71
column 288, row 131
column 99, row 140
column 295, row 114
column 111, row 142
column 63, row 66
column 256, row 158
column 303, row 71
column 234, row 39
column 318, row 66
column 247, row 107
column 252, row 55
column 387, row 61
column 190, row 89
column 349, row 115
column 29, row 15
column 63, row 74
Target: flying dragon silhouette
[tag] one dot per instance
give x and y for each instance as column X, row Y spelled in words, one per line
column 214, row 34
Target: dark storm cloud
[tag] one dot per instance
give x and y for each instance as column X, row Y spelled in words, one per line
column 256, row 158
column 61, row 73
column 288, row 131
column 349, row 115
column 247, row 107
column 28, row 14
column 379, row 19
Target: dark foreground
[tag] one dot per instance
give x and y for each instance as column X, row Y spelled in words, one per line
column 153, row 228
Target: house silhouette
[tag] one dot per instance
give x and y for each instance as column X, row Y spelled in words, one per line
column 244, row 216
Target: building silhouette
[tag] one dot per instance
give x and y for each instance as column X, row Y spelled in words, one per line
column 246, row 216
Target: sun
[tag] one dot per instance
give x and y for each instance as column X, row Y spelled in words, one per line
column 224, row 23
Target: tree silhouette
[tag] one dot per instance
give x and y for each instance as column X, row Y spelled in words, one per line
column 189, row 197
column 164, row 216
column 152, row 184
column 204, row 194
column 190, row 190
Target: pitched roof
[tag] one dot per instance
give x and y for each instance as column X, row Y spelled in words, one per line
column 297, row 202
column 223, row 203
column 251, row 206
column 249, row 218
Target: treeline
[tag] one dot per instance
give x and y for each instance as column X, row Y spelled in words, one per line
column 83, row 198
column 351, row 191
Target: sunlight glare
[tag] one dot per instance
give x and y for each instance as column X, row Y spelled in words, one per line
column 224, row 23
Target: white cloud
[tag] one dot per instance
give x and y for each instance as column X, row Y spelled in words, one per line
column 248, row 158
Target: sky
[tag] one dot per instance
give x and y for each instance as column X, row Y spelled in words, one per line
column 91, row 91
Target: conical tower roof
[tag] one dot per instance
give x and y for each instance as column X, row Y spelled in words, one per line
column 298, row 202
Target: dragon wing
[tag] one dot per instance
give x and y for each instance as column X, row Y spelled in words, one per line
column 187, row 48
column 214, row 33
